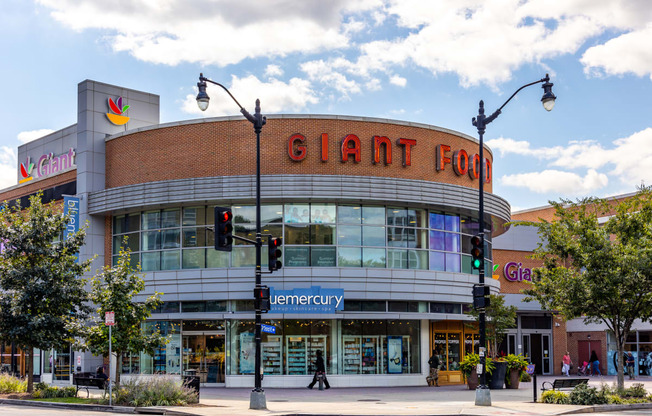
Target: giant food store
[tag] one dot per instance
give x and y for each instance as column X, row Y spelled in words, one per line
column 376, row 216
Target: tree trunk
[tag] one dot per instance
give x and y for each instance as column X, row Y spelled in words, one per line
column 620, row 342
column 29, row 354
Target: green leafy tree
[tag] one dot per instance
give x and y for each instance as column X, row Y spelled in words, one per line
column 595, row 269
column 499, row 318
column 42, row 296
column 114, row 290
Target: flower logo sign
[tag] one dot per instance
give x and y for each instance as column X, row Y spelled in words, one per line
column 116, row 116
column 26, row 171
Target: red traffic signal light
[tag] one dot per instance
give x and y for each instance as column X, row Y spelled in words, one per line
column 274, row 253
column 223, row 229
column 262, row 298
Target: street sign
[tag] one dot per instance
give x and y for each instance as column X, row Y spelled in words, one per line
column 270, row 329
column 109, row 318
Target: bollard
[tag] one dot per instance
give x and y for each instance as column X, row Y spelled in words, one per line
column 534, row 387
column 320, row 379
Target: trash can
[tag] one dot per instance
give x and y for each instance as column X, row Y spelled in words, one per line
column 191, row 381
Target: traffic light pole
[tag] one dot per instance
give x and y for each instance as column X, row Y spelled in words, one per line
column 482, row 395
column 257, row 399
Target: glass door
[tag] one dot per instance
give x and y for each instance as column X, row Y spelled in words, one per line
column 203, row 355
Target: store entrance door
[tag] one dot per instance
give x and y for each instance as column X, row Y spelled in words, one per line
column 536, row 348
column 203, row 355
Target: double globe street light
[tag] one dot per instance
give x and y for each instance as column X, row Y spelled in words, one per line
column 482, row 395
column 257, row 397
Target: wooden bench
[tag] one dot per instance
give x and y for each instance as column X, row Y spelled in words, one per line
column 563, row 383
column 86, row 381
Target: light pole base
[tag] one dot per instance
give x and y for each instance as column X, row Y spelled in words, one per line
column 482, row 396
column 257, row 400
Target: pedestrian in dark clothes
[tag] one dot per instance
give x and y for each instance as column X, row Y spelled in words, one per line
column 320, row 371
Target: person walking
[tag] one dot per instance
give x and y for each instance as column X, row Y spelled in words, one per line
column 320, row 371
column 630, row 366
column 433, row 378
column 595, row 364
column 567, row 363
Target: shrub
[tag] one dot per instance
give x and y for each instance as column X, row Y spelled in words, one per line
column 156, row 391
column 11, row 384
column 585, row 395
column 525, row 377
column 555, row 397
column 43, row 391
column 636, row 390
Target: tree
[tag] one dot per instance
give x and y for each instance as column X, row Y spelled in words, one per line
column 601, row 272
column 42, row 296
column 113, row 290
column 499, row 319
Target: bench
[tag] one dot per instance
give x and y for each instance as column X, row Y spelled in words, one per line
column 563, row 383
column 86, row 381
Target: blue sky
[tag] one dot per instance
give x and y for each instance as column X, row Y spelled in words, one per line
column 414, row 60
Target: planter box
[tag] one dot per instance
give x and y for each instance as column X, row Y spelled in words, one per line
column 497, row 377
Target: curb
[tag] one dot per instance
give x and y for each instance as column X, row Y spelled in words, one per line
column 97, row 407
column 600, row 408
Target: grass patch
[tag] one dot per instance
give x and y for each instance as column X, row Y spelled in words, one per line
column 77, row 400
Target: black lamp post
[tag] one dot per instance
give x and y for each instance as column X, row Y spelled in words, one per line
column 257, row 398
column 482, row 396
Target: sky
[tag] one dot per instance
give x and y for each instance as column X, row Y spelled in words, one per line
column 424, row 61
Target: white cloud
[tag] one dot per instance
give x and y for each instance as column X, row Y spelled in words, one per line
column 629, row 158
column 8, row 164
column 481, row 41
column 218, row 32
column 628, row 53
column 325, row 73
column 565, row 183
column 28, row 136
column 398, row 80
column 273, row 71
column 275, row 96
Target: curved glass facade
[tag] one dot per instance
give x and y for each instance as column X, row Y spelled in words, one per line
column 315, row 235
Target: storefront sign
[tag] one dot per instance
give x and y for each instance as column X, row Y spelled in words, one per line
column 116, row 114
column 47, row 164
column 71, row 207
column 311, row 300
column 351, row 149
column 514, row 272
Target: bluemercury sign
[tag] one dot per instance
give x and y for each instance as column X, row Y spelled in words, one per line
column 71, row 207
column 310, row 300
column 47, row 164
column 514, row 272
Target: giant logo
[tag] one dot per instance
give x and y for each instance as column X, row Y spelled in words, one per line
column 117, row 117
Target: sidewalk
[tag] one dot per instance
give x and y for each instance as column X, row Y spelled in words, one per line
column 387, row 401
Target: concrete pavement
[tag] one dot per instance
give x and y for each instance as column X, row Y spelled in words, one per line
column 424, row 400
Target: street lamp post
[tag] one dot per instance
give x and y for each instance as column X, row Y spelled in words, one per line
column 482, row 395
column 257, row 397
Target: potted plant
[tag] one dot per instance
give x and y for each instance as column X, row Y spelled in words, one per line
column 516, row 364
column 469, row 366
column 496, row 370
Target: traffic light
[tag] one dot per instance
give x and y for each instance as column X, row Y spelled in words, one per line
column 481, row 297
column 477, row 252
column 223, row 229
column 261, row 299
column 274, row 253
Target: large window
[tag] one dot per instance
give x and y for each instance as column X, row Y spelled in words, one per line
column 315, row 235
column 348, row 347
